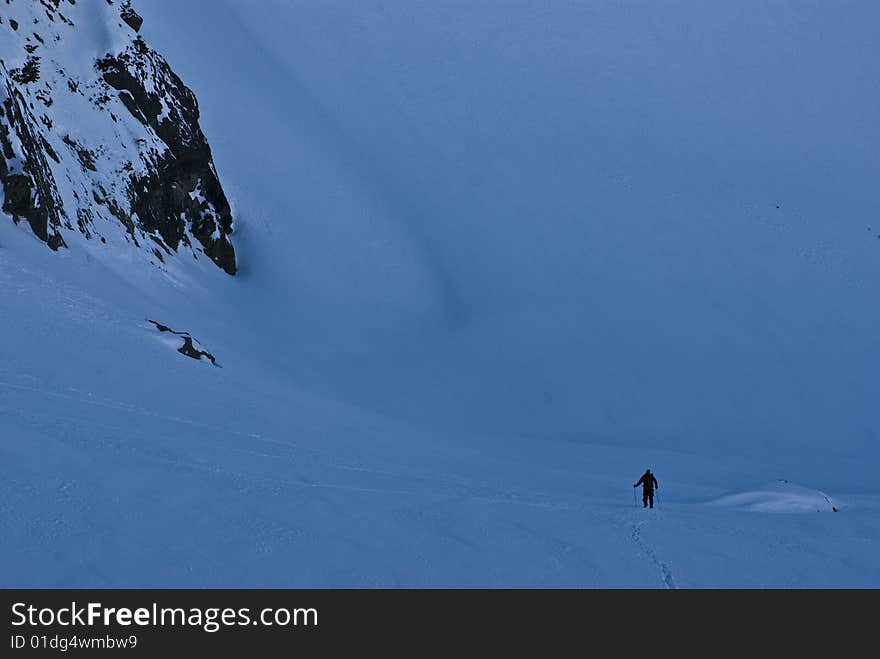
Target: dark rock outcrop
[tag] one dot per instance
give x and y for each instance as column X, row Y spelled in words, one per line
column 131, row 17
column 135, row 157
column 183, row 182
column 189, row 347
column 29, row 194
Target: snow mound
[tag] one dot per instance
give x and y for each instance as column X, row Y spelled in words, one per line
column 781, row 496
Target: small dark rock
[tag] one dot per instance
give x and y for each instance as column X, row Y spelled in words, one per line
column 188, row 348
column 30, row 72
column 49, row 150
column 86, row 158
column 131, row 17
column 190, row 351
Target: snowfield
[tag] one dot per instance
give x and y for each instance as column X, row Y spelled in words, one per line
column 495, row 259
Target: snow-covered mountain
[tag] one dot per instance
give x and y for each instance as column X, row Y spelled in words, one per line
column 100, row 137
column 491, row 261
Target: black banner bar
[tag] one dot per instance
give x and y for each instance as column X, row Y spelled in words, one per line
column 149, row 622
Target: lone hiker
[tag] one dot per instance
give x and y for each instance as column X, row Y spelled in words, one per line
column 649, row 484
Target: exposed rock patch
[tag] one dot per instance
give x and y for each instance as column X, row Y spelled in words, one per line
column 190, row 347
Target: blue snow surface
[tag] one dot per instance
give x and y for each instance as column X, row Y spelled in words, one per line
column 496, row 258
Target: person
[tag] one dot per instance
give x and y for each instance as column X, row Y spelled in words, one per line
column 649, row 484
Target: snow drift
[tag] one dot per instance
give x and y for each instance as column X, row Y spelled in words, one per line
column 780, row 497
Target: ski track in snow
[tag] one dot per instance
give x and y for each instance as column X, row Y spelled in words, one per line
column 662, row 568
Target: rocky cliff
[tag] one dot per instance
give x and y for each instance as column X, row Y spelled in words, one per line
column 99, row 137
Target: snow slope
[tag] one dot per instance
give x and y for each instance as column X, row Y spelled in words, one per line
column 567, row 215
column 494, row 260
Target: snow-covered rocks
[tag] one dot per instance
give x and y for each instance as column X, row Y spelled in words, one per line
column 99, row 136
column 184, row 343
